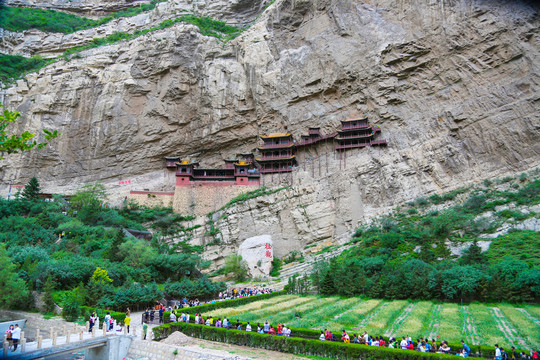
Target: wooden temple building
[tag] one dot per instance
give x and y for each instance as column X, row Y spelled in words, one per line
column 237, row 172
column 277, row 155
column 357, row 133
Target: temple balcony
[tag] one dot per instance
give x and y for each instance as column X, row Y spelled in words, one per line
column 352, row 146
column 355, row 126
column 280, row 170
column 277, row 146
column 379, row 143
column 354, row 136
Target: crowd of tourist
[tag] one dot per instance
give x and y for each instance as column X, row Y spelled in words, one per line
column 266, row 328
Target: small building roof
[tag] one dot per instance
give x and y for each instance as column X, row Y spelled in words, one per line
column 355, row 119
column 276, row 135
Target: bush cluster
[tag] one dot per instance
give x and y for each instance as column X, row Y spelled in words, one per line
column 292, row 344
column 405, row 255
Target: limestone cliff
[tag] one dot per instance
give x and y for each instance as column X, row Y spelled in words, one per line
column 453, row 85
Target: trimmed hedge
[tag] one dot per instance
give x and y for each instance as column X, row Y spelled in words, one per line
column 293, row 345
column 86, row 311
column 200, row 309
column 311, row 334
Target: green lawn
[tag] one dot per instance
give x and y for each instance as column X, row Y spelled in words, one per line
column 476, row 323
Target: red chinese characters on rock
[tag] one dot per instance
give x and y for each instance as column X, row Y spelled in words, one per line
column 125, row 182
column 268, row 246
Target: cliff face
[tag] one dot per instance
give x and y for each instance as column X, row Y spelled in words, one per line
column 453, row 85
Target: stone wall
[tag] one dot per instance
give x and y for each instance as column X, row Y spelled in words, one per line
column 160, row 351
column 201, row 199
column 152, row 198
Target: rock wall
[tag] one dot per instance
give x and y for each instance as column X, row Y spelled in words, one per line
column 201, row 199
column 453, row 85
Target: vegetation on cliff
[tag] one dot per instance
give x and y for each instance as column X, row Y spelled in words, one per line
column 69, row 242
column 20, row 19
column 406, row 255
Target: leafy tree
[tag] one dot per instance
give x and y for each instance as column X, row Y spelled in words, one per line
column 14, row 143
column 237, row 266
column 461, row 282
column 48, row 289
column 13, row 288
column 98, row 285
column 32, row 189
column 73, row 301
column 88, row 201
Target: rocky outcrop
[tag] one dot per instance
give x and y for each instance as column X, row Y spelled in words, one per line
column 49, row 45
column 81, row 7
column 453, row 85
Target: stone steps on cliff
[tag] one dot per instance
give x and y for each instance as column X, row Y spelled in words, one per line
column 304, row 268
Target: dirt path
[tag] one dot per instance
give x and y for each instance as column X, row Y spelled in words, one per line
column 371, row 315
column 469, row 329
column 529, row 316
column 508, row 330
column 433, row 327
column 392, row 330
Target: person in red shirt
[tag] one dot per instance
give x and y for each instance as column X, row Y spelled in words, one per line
column 272, row 331
column 382, row 342
column 327, row 335
column 410, row 346
column 279, row 329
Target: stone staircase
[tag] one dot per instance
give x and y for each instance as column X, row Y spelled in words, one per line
column 304, row 268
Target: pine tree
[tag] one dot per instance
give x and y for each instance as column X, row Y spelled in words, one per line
column 13, row 288
column 32, row 189
column 114, row 253
column 327, row 285
column 48, row 288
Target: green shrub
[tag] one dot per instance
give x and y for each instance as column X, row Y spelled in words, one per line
column 14, row 67
column 295, row 345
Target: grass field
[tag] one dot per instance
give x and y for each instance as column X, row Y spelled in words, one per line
column 484, row 324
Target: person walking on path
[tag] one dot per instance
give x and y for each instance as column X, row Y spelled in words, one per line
column 145, row 329
column 9, row 336
column 16, row 336
column 127, row 321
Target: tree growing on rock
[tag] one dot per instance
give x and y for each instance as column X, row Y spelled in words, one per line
column 15, row 143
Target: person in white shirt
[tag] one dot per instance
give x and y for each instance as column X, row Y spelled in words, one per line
column 498, row 355
column 16, row 336
column 322, row 336
column 107, row 320
column 248, row 327
column 366, row 337
column 172, row 317
column 196, row 318
column 375, row 342
column 403, row 344
column 286, row 331
column 187, row 318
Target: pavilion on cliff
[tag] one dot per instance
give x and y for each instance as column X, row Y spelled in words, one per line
column 357, row 133
column 313, row 137
column 277, row 153
column 235, row 172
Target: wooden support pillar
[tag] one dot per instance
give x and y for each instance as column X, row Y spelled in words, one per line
column 37, row 333
column 39, row 342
